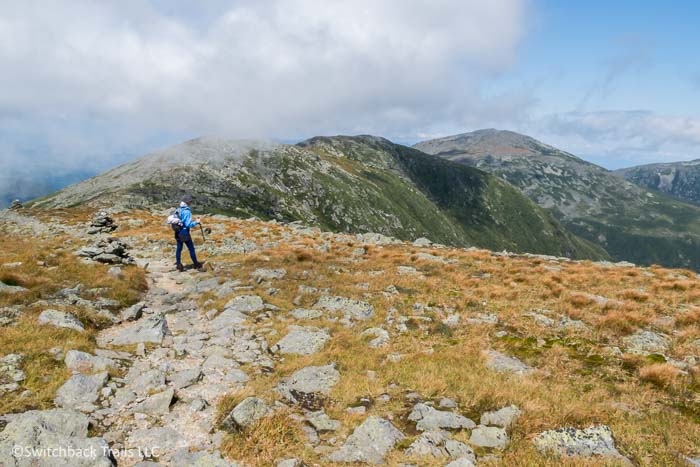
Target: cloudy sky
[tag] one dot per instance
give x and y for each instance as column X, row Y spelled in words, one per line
column 85, row 85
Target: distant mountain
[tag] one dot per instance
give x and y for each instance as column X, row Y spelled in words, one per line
column 350, row 184
column 678, row 179
column 630, row 222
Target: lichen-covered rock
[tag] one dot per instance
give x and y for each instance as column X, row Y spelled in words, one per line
column 370, row 442
column 261, row 275
column 380, row 337
column 309, row 386
column 322, row 422
column 10, row 373
column 83, row 362
column 593, row 441
column 646, row 342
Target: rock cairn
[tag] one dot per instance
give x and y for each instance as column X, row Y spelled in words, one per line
column 109, row 250
column 16, row 205
column 102, row 223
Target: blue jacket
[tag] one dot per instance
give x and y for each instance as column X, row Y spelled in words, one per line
column 186, row 218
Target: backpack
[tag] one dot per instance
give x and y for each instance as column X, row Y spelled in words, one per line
column 175, row 222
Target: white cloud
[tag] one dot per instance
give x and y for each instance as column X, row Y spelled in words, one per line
column 618, row 138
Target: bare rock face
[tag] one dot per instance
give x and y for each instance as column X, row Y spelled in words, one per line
column 370, row 442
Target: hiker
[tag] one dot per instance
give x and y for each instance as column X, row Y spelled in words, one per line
column 182, row 233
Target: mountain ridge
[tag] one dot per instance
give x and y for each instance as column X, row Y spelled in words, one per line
column 342, row 183
column 629, row 221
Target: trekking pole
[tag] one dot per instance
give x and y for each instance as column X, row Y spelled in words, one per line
column 201, row 229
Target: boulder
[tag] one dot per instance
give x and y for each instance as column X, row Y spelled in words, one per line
column 353, row 309
column 245, row 304
column 380, row 337
column 10, row 373
column 157, row 404
column 261, row 275
column 302, row 341
column 133, row 312
column 185, row 378
column 83, row 362
column 42, row 429
column 428, row 419
column 151, row 329
column 594, row 441
column 245, row 414
column 504, row 417
column 322, row 422
column 646, row 342
column 369, row 443
column 505, row 364
column 11, row 289
column 309, row 386
column 81, row 392
column 489, row 437
column 60, row 319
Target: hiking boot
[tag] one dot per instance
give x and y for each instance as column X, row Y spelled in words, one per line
column 198, row 265
column 180, row 267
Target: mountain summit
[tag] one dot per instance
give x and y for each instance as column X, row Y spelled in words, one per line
column 342, row 183
column 630, row 222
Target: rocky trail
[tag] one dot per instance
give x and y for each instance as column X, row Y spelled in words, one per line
column 208, row 355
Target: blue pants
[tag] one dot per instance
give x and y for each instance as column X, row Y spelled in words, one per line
column 187, row 240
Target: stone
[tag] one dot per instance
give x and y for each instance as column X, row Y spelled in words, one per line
column 447, row 403
column 185, row 378
column 11, row 289
column 167, row 439
column 261, row 275
column 309, row 386
column 245, row 304
column 461, row 462
column 352, row 309
column 646, row 342
column 184, row 458
column 10, row 373
column 293, row 462
column 594, row 441
column 81, row 392
column 302, row 341
column 322, row 422
column 245, row 414
column 157, row 404
column 9, row 315
column 134, row 312
column 304, row 313
column 427, row 419
column 42, row 429
column 370, row 442
column 60, row 319
column 150, row 329
column 407, row 270
column 505, row 364
column 380, row 337
column 83, row 362
column 422, row 242
column 505, row 417
column 430, row 443
column 489, row 437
